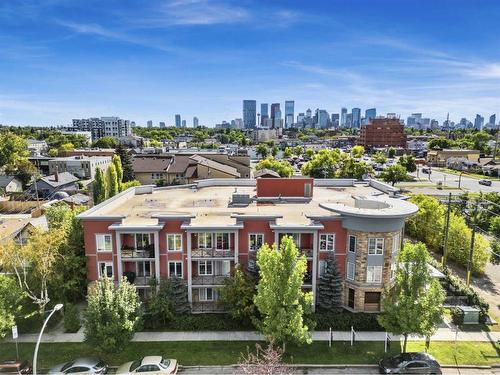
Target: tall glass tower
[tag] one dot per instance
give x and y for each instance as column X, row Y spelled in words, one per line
column 249, row 114
column 289, row 113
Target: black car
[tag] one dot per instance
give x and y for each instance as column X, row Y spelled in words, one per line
column 410, row 363
column 485, row 182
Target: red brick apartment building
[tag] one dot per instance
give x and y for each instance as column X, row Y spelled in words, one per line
column 200, row 231
column 381, row 133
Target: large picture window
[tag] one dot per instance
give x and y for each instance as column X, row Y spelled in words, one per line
column 106, row 270
column 174, row 242
column 375, row 246
column 222, row 241
column 205, row 268
column 374, row 274
column 327, row 242
column 175, row 269
column 204, row 240
column 352, row 244
column 103, row 242
column 255, row 241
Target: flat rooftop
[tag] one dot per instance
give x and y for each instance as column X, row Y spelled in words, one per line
column 212, row 205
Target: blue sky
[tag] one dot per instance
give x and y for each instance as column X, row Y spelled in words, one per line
column 64, row 59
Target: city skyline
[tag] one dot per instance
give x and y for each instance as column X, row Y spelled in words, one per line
column 202, row 58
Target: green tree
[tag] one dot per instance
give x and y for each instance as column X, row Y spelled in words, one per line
column 10, row 303
column 128, row 170
column 392, row 152
column 105, row 142
column 262, row 150
column 282, row 167
column 427, row 224
column 237, row 295
column 26, row 172
column 413, row 305
column 67, row 147
column 357, row 152
column 441, row 142
column 159, row 307
column 280, row 299
column 393, row 174
column 52, row 152
column 14, row 149
column 155, row 143
column 323, row 164
column 310, row 152
column 178, row 294
column 274, row 151
column 99, row 185
column 495, row 226
column 330, row 287
column 119, row 170
column 130, row 184
column 379, row 157
column 69, row 281
column 408, row 162
column 112, row 180
column 112, row 315
column 298, row 150
column 288, row 152
column 352, row 168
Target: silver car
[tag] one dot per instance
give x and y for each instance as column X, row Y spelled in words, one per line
column 87, row 365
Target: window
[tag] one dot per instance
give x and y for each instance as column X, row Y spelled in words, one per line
column 327, row 242
column 205, row 268
column 103, row 242
column 206, row 294
column 142, row 240
column 352, row 244
column 222, row 241
column 322, row 267
column 396, row 243
column 255, row 241
column 106, row 270
column 350, row 270
column 251, row 265
column 374, row 274
column 175, row 269
column 155, row 176
column 204, row 240
column 394, row 267
column 174, row 242
column 144, row 268
column 375, row 246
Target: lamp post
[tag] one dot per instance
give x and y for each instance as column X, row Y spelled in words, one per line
column 57, row 307
column 460, row 179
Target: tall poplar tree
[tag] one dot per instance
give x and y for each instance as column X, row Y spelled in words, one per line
column 99, row 186
column 119, row 170
column 112, row 180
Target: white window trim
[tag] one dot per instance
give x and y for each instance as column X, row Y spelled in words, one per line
column 374, row 281
column 327, row 250
column 97, row 242
column 249, row 241
column 175, row 262
column 142, row 234
column 396, row 243
column 182, row 242
column 353, row 271
column 106, row 264
column 205, row 262
column 349, row 243
column 394, row 268
column 377, row 240
column 223, row 234
column 204, row 235
column 203, row 295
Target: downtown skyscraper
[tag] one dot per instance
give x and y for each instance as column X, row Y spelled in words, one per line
column 264, row 113
column 249, row 114
column 289, row 113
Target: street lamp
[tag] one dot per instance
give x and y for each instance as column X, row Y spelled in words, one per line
column 460, row 179
column 57, row 307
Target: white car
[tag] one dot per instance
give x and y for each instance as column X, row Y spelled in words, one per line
column 149, row 365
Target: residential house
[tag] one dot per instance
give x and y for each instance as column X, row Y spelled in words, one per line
column 47, row 186
column 10, row 184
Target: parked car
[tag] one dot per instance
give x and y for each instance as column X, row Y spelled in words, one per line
column 485, row 182
column 15, row 366
column 149, row 365
column 81, row 366
column 426, row 170
column 410, row 363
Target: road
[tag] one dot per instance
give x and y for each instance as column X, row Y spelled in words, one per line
column 452, row 180
column 331, row 370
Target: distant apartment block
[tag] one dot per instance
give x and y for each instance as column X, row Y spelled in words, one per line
column 382, row 133
column 82, row 167
column 201, row 232
column 103, row 127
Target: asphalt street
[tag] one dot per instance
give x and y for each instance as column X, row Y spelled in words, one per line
column 453, row 180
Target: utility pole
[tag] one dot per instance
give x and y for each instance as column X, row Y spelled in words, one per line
column 447, row 226
column 496, row 144
column 471, row 251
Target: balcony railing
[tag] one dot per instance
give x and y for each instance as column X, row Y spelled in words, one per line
column 144, row 252
column 307, row 252
column 212, row 253
column 143, row 280
column 207, row 307
column 209, row 279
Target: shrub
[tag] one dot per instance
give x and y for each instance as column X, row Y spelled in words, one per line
column 344, row 320
column 207, row 322
column 457, row 316
column 72, row 321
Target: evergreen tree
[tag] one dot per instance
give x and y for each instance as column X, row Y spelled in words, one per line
column 128, row 170
column 119, row 170
column 99, row 186
column 178, row 294
column 112, row 179
column 330, row 286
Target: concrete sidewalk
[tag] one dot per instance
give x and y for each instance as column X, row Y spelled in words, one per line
column 442, row 334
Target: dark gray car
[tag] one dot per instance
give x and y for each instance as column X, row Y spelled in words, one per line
column 410, row 363
column 81, row 366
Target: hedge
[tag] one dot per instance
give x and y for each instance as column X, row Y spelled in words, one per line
column 343, row 321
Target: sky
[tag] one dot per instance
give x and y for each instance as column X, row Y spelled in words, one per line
column 148, row 60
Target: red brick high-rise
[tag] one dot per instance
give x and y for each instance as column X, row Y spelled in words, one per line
column 382, row 132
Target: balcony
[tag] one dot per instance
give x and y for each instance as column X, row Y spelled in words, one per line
column 212, row 253
column 209, row 279
column 146, row 252
column 307, row 279
column 138, row 280
column 308, row 253
column 207, row 307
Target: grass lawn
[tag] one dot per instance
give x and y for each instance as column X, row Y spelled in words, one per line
column 223, row 353
column 471, row 175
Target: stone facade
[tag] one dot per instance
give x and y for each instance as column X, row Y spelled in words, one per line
column 359, row 284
